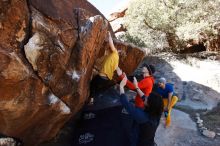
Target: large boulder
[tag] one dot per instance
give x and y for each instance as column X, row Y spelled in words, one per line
column 47, row 52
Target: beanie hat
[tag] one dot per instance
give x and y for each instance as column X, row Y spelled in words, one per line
column 150, row 68
column 162, row 80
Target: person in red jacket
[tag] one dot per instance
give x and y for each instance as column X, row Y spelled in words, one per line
column 145, row 85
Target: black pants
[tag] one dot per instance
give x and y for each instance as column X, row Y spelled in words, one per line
column 99, row 84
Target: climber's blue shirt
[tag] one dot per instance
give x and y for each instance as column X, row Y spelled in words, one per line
column 164, row 92
column 144, row 126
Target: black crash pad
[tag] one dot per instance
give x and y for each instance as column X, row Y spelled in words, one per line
column 105, row 127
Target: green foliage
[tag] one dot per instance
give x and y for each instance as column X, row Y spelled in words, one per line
column 132, row 39
column 152, row 20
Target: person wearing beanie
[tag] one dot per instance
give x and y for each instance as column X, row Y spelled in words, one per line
column 162, row 80
column 166, row 91
column 145, row 85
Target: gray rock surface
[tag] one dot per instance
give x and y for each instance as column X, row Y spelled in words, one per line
column 209, row 133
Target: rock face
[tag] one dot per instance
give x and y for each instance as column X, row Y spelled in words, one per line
column 116, row 20
column 116, row 15
column 204, row 42
column 47, row 53
column 208, row 133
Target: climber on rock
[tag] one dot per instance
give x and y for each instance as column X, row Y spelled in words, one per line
column 145, row 85
column 109, row 65
column 146, row 119
column 166, row 91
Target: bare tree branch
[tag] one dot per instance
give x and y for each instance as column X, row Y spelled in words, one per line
column 167, row 5
column 155, row 28
column 146, row 23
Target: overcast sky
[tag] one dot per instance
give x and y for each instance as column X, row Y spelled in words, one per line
column 106, row 7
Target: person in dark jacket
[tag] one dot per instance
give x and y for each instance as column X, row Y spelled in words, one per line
column 146, row 119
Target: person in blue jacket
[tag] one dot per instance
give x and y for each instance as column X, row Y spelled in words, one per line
column 146, row 119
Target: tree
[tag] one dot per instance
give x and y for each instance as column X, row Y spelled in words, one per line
column 171, row 23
